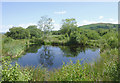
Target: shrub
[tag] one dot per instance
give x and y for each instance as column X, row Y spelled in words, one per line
column 37, row 41
column 14, row 73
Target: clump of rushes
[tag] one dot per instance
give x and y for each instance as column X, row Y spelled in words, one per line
column 12, row 47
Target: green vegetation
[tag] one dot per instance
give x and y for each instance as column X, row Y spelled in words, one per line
column 11, row 47
column 34, row 31
column 102, row 35
column 14, row 73
column 18, row 33
column 100, row 25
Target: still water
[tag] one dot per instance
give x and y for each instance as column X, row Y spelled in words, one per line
column 52, row 57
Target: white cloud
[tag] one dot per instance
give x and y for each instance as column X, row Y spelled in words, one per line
column 101, row 17
column 86, row 22
column 56, row 26
column 60, row 12
column 6, row 28
column 111, row 19
column 53, row 21
column 26, row 25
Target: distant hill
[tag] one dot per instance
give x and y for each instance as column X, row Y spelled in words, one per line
column 100, row 25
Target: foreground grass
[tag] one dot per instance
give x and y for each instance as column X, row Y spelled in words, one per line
column 104, row 70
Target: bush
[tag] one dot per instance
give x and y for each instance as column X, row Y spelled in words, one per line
column 18, row 33
column 61, row 37
column 14, row 73
column 76, row 38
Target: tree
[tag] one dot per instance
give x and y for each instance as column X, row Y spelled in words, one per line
column 34, row 31
column 18, row 33
column 68, row 25
column 32, row 27
column 77, row 38
column 91, row 34
column 45, row 24
column 102, row 31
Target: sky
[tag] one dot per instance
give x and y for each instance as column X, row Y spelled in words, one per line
column 29, row 13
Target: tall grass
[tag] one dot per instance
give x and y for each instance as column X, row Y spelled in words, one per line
column 11, row 47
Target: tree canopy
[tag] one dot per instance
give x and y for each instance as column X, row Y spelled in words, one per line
column 68, row 25
column 18, row 33
column 34, row 31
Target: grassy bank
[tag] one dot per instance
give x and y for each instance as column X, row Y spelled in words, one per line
column 13, row 48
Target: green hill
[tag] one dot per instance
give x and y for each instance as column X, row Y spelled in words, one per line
column 100, row 25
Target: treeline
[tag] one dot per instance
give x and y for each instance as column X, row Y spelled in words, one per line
column 22, row 33
column 100, row 34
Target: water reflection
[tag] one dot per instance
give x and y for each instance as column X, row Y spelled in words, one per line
column 46, row 58
column 72, row 51
column 33, row 48
column 53, row 56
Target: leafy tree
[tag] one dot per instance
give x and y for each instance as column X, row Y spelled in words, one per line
column 112, row 39
column 113, row 42
column 34, row 31
column 45, row 24
column 32, row 27
column 77, row 38
column 56, row 32
column 68, row 25
column 18, row 33
column 102, row 31
column 82, row 39
column 91, row 34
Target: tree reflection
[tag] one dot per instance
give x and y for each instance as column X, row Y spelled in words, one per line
column 33, row 48
column 72, row 51
column 46, row 57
